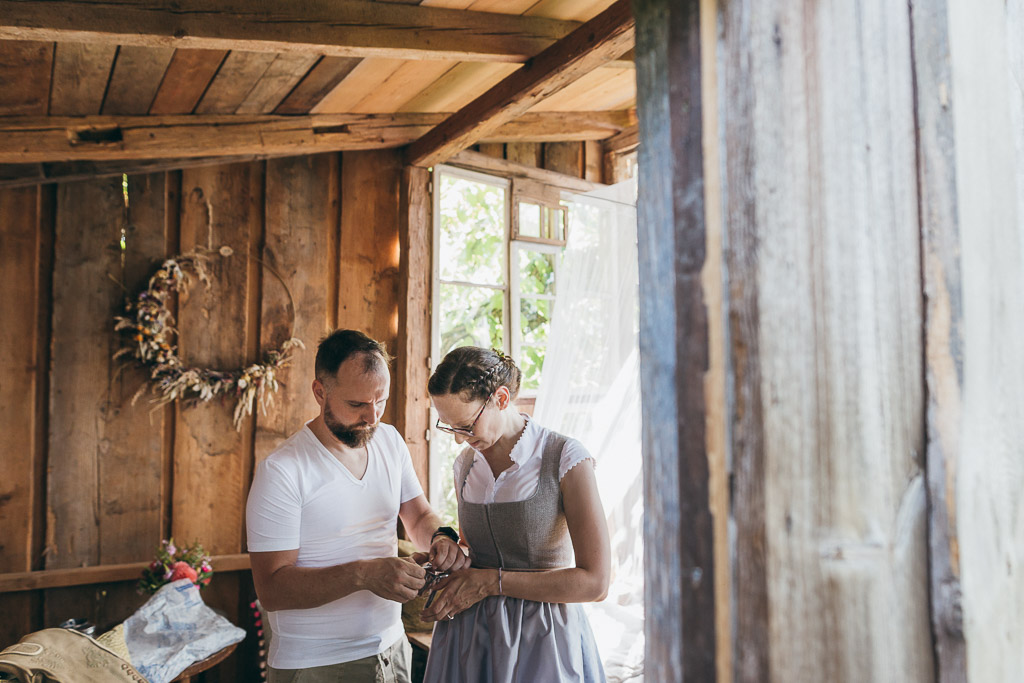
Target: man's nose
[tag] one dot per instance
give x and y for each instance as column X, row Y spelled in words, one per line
column 460, row 438
column 372, row 414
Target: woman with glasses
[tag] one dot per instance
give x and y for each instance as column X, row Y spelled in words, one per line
column 528, row 505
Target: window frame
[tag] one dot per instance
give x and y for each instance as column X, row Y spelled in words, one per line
column 513, row 246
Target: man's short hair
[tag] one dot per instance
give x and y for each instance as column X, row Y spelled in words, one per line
column 338, row 346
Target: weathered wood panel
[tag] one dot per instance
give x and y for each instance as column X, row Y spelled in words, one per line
column 131, row 462
column 80, row 74
column 24, row 258
column 221, row 207
column 361, row 81
column 458, row 86
column 20, row 235
column 492, row 149
column 315, row 85
column 277, row 81
column 402, row 85
column 825, row 343
column 412, row 367
column 564, row 157
column 526, row 153
column 593, row 161
column 679, row 586
column 186, row 79
column 25, row 68
column 135, row 79
column 716, row 379
column 234, row 80
column 89, row 217
column 302, row 214
column 983, row 422
column 369, row 253
column 104, row 604
column 943, row 302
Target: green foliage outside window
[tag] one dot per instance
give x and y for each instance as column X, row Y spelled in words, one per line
column 472, row 296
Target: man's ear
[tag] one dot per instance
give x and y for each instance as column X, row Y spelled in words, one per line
column 319, row 392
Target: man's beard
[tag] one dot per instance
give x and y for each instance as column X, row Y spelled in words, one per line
column 350, row 435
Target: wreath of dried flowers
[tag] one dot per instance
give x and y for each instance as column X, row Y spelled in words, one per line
column 148, row 325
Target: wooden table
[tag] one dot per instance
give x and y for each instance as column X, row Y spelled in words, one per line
column 204, row 664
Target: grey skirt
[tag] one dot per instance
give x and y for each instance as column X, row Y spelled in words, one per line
column 508, row 640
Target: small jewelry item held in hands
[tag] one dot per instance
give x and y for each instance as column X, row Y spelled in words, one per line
column 432, row 578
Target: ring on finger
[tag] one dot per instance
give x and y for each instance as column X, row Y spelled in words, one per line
column 451, row 616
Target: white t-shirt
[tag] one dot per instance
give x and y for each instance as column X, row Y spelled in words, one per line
column 519, row 481
column 303, row 498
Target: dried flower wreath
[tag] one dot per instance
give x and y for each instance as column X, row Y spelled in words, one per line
column 148, row 325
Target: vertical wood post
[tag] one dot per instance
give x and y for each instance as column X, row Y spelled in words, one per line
column 678, row 529
column 943, row 310
column 411, row 372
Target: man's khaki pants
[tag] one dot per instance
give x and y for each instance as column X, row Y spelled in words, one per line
column 391, row 666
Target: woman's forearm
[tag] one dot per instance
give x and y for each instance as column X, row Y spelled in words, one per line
column 575, row 584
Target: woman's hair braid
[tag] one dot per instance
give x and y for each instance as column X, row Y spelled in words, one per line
column 474, row 373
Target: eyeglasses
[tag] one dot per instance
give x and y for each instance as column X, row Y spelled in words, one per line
column 459, row 430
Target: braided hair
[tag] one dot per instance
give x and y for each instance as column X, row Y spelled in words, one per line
column 474, row 373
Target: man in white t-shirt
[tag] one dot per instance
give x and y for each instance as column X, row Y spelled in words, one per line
column 322, row 528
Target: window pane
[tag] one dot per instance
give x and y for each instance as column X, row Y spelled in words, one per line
column 535, row 323
column 447, row 507
column 531, row 363
column 536, row 272
column 529, row 219
column 556, row 224
column 472, row 231
column 471, row 316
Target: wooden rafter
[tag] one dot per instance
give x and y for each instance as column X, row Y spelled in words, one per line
column 103, row 138
column 339, row 28
column 603, row 38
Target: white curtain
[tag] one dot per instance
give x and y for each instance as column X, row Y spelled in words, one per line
column 590, row 390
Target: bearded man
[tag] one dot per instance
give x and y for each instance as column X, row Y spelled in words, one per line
column 322, row 529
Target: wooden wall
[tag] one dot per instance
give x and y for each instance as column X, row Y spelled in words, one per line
column 578, row 159
column 825, row 304
column 980, row 410
column 89, row 480
column 858, row 224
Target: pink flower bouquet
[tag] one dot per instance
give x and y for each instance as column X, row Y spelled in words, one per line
column 173, row 563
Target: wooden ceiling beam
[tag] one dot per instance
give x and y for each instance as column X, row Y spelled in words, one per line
column 338, row 28
column 595, row 43
column 41, row 139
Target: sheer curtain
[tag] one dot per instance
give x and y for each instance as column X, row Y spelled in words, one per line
column 590, row 390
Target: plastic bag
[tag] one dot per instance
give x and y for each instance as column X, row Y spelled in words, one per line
column 174, row 629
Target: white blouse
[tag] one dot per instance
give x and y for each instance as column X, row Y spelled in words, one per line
column 519, row 481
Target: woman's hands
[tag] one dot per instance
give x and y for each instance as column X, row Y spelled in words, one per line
column 460, row 591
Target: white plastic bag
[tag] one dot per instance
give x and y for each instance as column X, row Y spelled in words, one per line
column 174, row 629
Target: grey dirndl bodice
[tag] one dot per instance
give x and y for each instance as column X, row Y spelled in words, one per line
column 526, row 534
column 502, row 639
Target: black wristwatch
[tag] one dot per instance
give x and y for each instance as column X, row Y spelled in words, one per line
column 446, row 531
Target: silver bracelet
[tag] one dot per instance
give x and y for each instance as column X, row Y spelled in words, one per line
column 499, row 581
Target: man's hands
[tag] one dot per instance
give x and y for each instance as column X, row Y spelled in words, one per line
column 392, row 578
column 460, row 591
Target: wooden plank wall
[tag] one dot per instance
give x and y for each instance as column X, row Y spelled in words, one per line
column 89, row 479
column 578, row 159
column 980, row 408
column 825, row 343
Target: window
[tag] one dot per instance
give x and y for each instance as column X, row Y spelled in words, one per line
column 496, row 248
